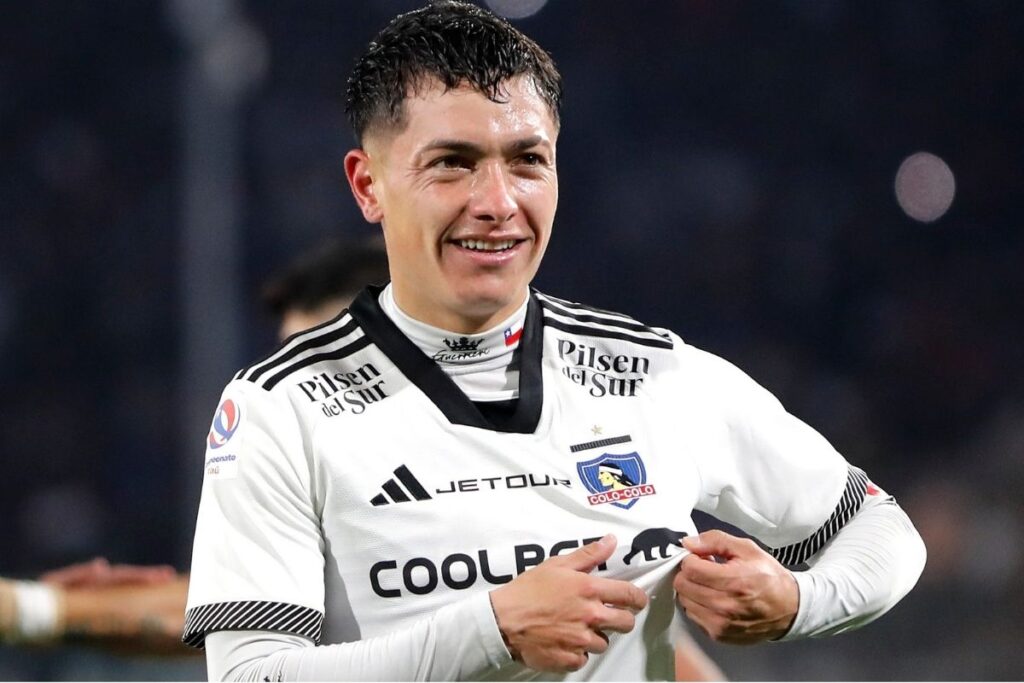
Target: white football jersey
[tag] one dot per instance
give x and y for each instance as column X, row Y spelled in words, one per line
column 351, row 488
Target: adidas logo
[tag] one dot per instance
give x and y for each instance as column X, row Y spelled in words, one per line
column 393, row 493
column 462, row 344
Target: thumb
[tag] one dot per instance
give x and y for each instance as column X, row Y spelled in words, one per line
column 715, row 542
column 588, row 557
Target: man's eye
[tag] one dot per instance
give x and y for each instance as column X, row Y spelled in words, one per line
column 451, row 161
column 534, row 160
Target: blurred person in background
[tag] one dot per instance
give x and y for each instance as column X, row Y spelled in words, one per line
column 321, row 283
column 133, row 609
column 459, row 369
column 124, row 608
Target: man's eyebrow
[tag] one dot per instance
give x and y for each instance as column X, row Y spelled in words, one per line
column 527, row 143
column 471, row 149
column 460, row 146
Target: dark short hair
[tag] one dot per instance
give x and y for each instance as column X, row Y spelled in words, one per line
column 336, row 269
column 456, row 43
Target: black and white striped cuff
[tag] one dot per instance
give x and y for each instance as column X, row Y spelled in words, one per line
column 849, row 504
column 251, row 615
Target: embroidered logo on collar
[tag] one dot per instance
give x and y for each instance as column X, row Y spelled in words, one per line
column 617, row 479
column 461, row 349
column 462, row 344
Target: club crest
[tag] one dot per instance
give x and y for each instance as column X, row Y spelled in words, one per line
column 617, row 479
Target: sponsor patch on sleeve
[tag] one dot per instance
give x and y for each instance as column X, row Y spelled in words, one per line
column 221, row 462
column 222, row 466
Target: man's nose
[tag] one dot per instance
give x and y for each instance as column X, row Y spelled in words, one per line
column 493, row 197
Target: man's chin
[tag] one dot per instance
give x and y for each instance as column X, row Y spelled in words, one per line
column 484, row 309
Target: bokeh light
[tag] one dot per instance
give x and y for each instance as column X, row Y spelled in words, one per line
column 924, row 187
column 516, row 9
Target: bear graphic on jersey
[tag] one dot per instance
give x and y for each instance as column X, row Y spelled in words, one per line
column 647, row 540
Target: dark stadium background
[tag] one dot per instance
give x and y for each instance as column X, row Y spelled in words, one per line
column 727, row 170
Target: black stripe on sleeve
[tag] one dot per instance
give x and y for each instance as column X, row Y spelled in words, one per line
column 251, row 615
column 621, row 322
column 621, row 318
column 590, row 331
column 849, row 504
column 337, row 354
column 281, row 357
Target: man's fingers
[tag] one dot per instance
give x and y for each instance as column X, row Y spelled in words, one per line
column 587, row 558
column 717, row 627
column 574, row 661
column 711, row 598
column 718, row 543
column 127, row 573
column 619, row 594
column 694, row 610
column 700, row 615
column 705, row 572
column 598, row 644
column 553, row 616
column 99, row 573
column 615, row 620
column 95, row 571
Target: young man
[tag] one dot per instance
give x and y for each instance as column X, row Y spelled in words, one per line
column 401, row 468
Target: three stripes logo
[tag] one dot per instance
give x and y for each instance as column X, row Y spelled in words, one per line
column 393, row 493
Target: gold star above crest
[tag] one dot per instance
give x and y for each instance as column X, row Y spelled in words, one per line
column 596, row 429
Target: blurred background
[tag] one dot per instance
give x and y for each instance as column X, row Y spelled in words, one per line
column 826, row 192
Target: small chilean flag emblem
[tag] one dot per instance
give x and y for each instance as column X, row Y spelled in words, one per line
column 512, row 337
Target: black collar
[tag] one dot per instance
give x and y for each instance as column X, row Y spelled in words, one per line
column 426, row 374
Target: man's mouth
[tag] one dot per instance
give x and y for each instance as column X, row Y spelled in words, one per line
column 483, row 245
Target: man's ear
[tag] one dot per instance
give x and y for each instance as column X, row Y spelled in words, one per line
column 360, row 180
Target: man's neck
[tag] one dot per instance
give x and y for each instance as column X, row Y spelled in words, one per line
column 480, row 364
column 456, row 322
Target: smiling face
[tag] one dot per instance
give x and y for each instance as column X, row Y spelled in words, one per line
column 466, row 194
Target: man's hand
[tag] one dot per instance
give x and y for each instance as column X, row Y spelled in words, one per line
column 745, row 597
column 99, row 573
column 555, row 614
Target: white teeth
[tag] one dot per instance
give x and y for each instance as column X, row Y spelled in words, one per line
column 480, row 245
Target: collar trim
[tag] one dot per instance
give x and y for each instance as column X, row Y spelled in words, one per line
column 428, row 376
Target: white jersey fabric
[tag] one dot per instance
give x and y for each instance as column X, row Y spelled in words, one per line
column 350, row 482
